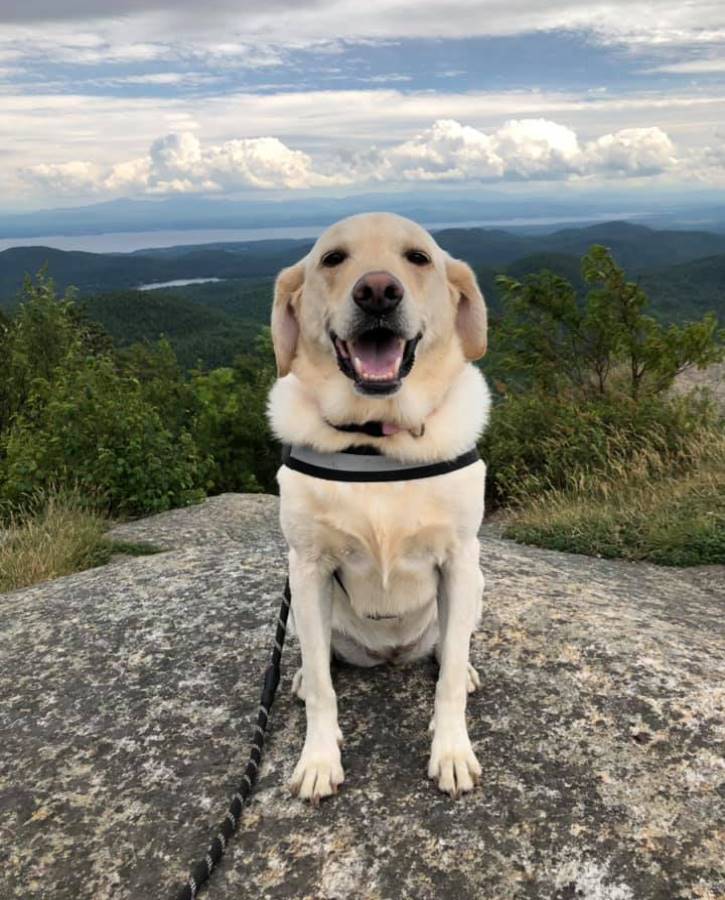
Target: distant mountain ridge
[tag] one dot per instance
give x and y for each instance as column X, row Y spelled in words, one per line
column 639, row 249
column 485, row 205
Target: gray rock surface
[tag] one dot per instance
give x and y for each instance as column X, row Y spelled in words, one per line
column 127, row 695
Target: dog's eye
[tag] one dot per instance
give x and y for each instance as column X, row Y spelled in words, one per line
column 333, row 258
column 417, row 257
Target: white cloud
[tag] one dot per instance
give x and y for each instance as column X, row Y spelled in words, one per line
column 673, row 22
column 706, row 66
column 159, row 78
column 632, row 151
column 178, row 163
column 447, row 151
column 70, row 178
column 525, row 149
column 534, row 148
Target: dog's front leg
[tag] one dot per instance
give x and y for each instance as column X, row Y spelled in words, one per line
column 319, row 770
column 452, row 760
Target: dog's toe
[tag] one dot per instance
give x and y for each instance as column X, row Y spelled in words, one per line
column 473, row 682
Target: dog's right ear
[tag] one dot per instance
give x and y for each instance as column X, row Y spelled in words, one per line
column 285, row 327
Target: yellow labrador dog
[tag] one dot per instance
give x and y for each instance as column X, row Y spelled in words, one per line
column 378, row 325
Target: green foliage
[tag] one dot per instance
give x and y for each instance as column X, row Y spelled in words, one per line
column 42, row 334
column 129, row 427
column 537, row 442
column 162, row 381
column 88, row 425
column 688, row 290
column 553, row 341
column 198, row 333
column 587, row 444
column 232, row 425
column 72, row 417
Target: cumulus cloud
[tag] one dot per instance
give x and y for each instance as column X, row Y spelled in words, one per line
column 448, row 151
column 632, row 151
column 179, row 163
column 525, row 149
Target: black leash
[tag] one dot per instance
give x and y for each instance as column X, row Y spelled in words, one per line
column 201, row 870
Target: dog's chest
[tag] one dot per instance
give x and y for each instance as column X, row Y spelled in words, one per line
column 385, row 534
column 387, row 541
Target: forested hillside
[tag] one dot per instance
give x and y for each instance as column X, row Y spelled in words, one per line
column 208, row 324
column 637, row 248
column 94, row 272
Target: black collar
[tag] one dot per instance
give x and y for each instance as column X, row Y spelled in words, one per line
column 373, row 429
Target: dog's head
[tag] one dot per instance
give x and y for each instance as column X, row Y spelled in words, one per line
column 372, row 300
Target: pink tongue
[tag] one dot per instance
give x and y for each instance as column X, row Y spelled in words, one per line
column 378, row 358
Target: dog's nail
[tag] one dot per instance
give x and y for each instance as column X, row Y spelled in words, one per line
column 315, row 801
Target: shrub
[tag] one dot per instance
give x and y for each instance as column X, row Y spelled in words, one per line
column 231, row 424
column 587, row 396
column 91, row 427
column 603, row 344
column 537, row 443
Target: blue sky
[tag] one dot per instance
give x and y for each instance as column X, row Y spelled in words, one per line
column 339, row 97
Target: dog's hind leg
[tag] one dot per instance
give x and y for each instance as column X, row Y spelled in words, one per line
column 473, row 679
column 298, row 685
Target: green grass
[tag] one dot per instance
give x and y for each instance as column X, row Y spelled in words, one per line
column 672, row 521
column 56, row 535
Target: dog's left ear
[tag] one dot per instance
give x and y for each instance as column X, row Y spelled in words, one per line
column 471, row 321
column 285, row 327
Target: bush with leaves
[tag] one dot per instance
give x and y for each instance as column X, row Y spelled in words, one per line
column 231, row 424
column 91, row 427
column 538, row 442
column 586, row 383
column 550, row 339
column 69, row 416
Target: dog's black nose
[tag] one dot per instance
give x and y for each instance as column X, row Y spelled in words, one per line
column 378, row 293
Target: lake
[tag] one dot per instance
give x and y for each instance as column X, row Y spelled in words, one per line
column 179, row 282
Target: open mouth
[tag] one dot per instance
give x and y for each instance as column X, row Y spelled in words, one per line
column 377, row 360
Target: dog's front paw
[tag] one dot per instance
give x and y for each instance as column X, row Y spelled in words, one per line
column 318, row 773
column 453, row 763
